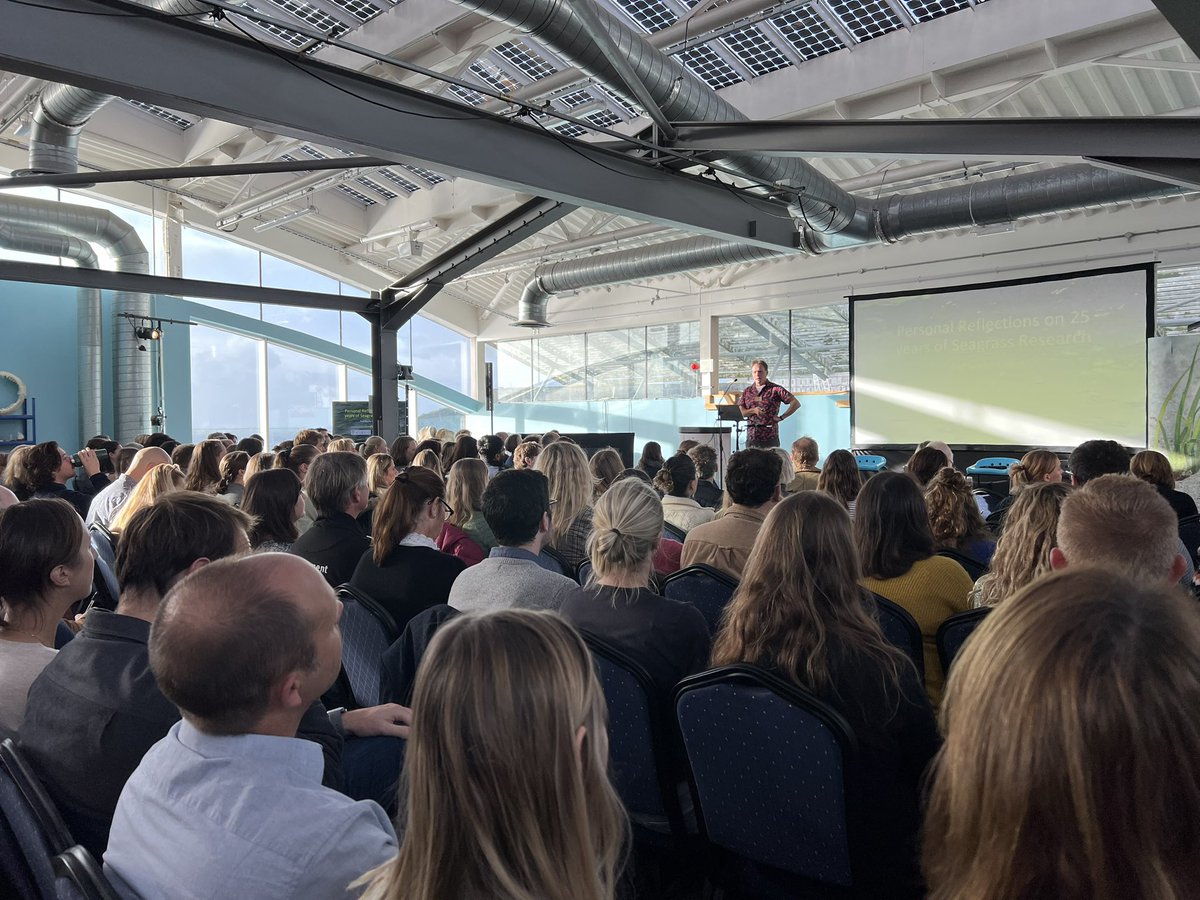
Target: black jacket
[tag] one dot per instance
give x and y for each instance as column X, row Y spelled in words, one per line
column 334, row 545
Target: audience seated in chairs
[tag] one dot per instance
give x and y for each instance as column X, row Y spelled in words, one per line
column 337, row 485
column 506, row 793
column 571, row 492
column 1023, row 551
column 896, row 549
column 466, row 533
column 403, row 570
column 801, row 611
column 954, row 517
column 1080, row 676
column 259, row 821
column 204, row 468
column 516, row 507
column 1151, row 466
column 46, row 566
column 106, row 504
column 841, row 479
column 752, row 482
column 677, row 482
column 669, row 638
column 1122, row 523
column 273, row 499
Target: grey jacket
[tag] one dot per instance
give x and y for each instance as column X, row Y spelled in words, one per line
column 503, row 583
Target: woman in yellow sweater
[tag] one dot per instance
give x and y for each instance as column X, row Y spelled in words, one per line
column 895, row 544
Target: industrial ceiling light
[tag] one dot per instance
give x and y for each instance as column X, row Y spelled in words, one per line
column 147, row 333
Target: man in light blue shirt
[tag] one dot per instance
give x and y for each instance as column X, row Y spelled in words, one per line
column 230, row 802
column 107, row 503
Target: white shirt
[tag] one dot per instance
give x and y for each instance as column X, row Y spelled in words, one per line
column 107, row 503
column 685, row 513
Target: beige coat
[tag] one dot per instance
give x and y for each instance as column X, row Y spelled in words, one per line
column 685, row 513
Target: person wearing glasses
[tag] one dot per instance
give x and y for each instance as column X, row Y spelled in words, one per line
column 404, row 571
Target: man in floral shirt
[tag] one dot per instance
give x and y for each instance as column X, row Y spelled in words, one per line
column 760, row 402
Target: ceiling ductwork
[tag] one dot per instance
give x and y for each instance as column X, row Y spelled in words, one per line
column 63, row 111
column 828, row 217
column 131, row 369
column 629, row 265
column 91, row 375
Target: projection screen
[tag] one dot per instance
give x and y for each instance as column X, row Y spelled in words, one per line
column 1047, row 362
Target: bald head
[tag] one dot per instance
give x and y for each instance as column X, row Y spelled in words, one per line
column 145, row 460
column 230, row 635
column 7, row 498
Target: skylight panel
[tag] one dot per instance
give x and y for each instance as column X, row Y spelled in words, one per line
column 569, row 129
column 377, row 188
column 466, row 95
column 165, row 114
column 530, row 64
column 754, row 50
column 428, row 174
column 866, row 19
column 310, row 15
column 360, row 9
column 403, row 183
column 807, row 32
column 356, row 194
column 604, row 118
column 310, row 150
column 924, row 10
column 289, row 37
column 493, row 76
column 620, row 101
column 704, row 63
column 575, row 99
column 650, row 15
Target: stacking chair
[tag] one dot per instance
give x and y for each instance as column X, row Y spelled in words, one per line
column 31, row 831
column 706, row 588
column 367, row 632
column 675, row 534
column 768, row 763
column 403, row 658
column 953, row 633
column 584, row 573
column 564, row 567
column 79, row 877
column 974, row 567
column 642, row 756
column 901, row 630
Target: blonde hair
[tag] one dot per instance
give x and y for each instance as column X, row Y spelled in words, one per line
column 377, row 469
column 428, row 459
column 496, row 801
column 162, row 479
column 1023, row 551
column 1151, row 466
column 345, row 445
column 260, row 462
column 606, row 467
column 1121, row 522
column 954, row 516
column 1069, row 768
column 626, row 526
column 566, row 468
column 464, row 489
column 1033, row 468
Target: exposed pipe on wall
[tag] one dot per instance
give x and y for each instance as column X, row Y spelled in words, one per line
column 131, row 369
column 90, row 335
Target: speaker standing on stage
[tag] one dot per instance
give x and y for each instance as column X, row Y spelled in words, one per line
column 760, row 402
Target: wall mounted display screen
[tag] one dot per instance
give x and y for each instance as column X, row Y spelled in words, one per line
column 1048, row 362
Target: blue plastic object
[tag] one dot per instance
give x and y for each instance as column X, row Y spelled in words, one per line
column 871, row 463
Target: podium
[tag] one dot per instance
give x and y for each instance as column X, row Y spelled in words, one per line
column 716, row 437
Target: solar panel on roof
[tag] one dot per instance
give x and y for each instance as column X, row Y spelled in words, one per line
column 493, row 76
column 575, row 98
column 569, row 129
column 428, row 174
column 357, row 195
column 604, row 118
column 360, row 9
column 650, row 15
column 866, row 19
column 924, row 10
column 807, row 32
column 466, row 95
column 704, row 63
column 530, row 64
column 165, row 114
column 377, row 188
column 310, row 15
column 754, row 50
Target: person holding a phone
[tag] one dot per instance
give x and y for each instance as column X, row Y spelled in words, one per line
column 50, row 468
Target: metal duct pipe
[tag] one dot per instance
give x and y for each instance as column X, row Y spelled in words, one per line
column 679, row 94
column 91, row 372
column 629, row 265
column 131, row 369
column 63, row 111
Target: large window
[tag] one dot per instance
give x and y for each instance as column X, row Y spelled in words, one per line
column 644, row 363
column 805, row 349
column 300, row 392
column 440, row 354
column 226, row 372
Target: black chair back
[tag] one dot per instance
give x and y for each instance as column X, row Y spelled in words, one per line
column 584, row 573
column 403, row 658
column 80, row 876
column 768, row 764
column 367, row 632
column 564, row 567
column 58, row 836
column 953, row 633
column 706, row 588
column 1189, row 533
column 640, row 739
column 974, row 567
column 25, row 847
column 901, row 630
column 675, row 534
